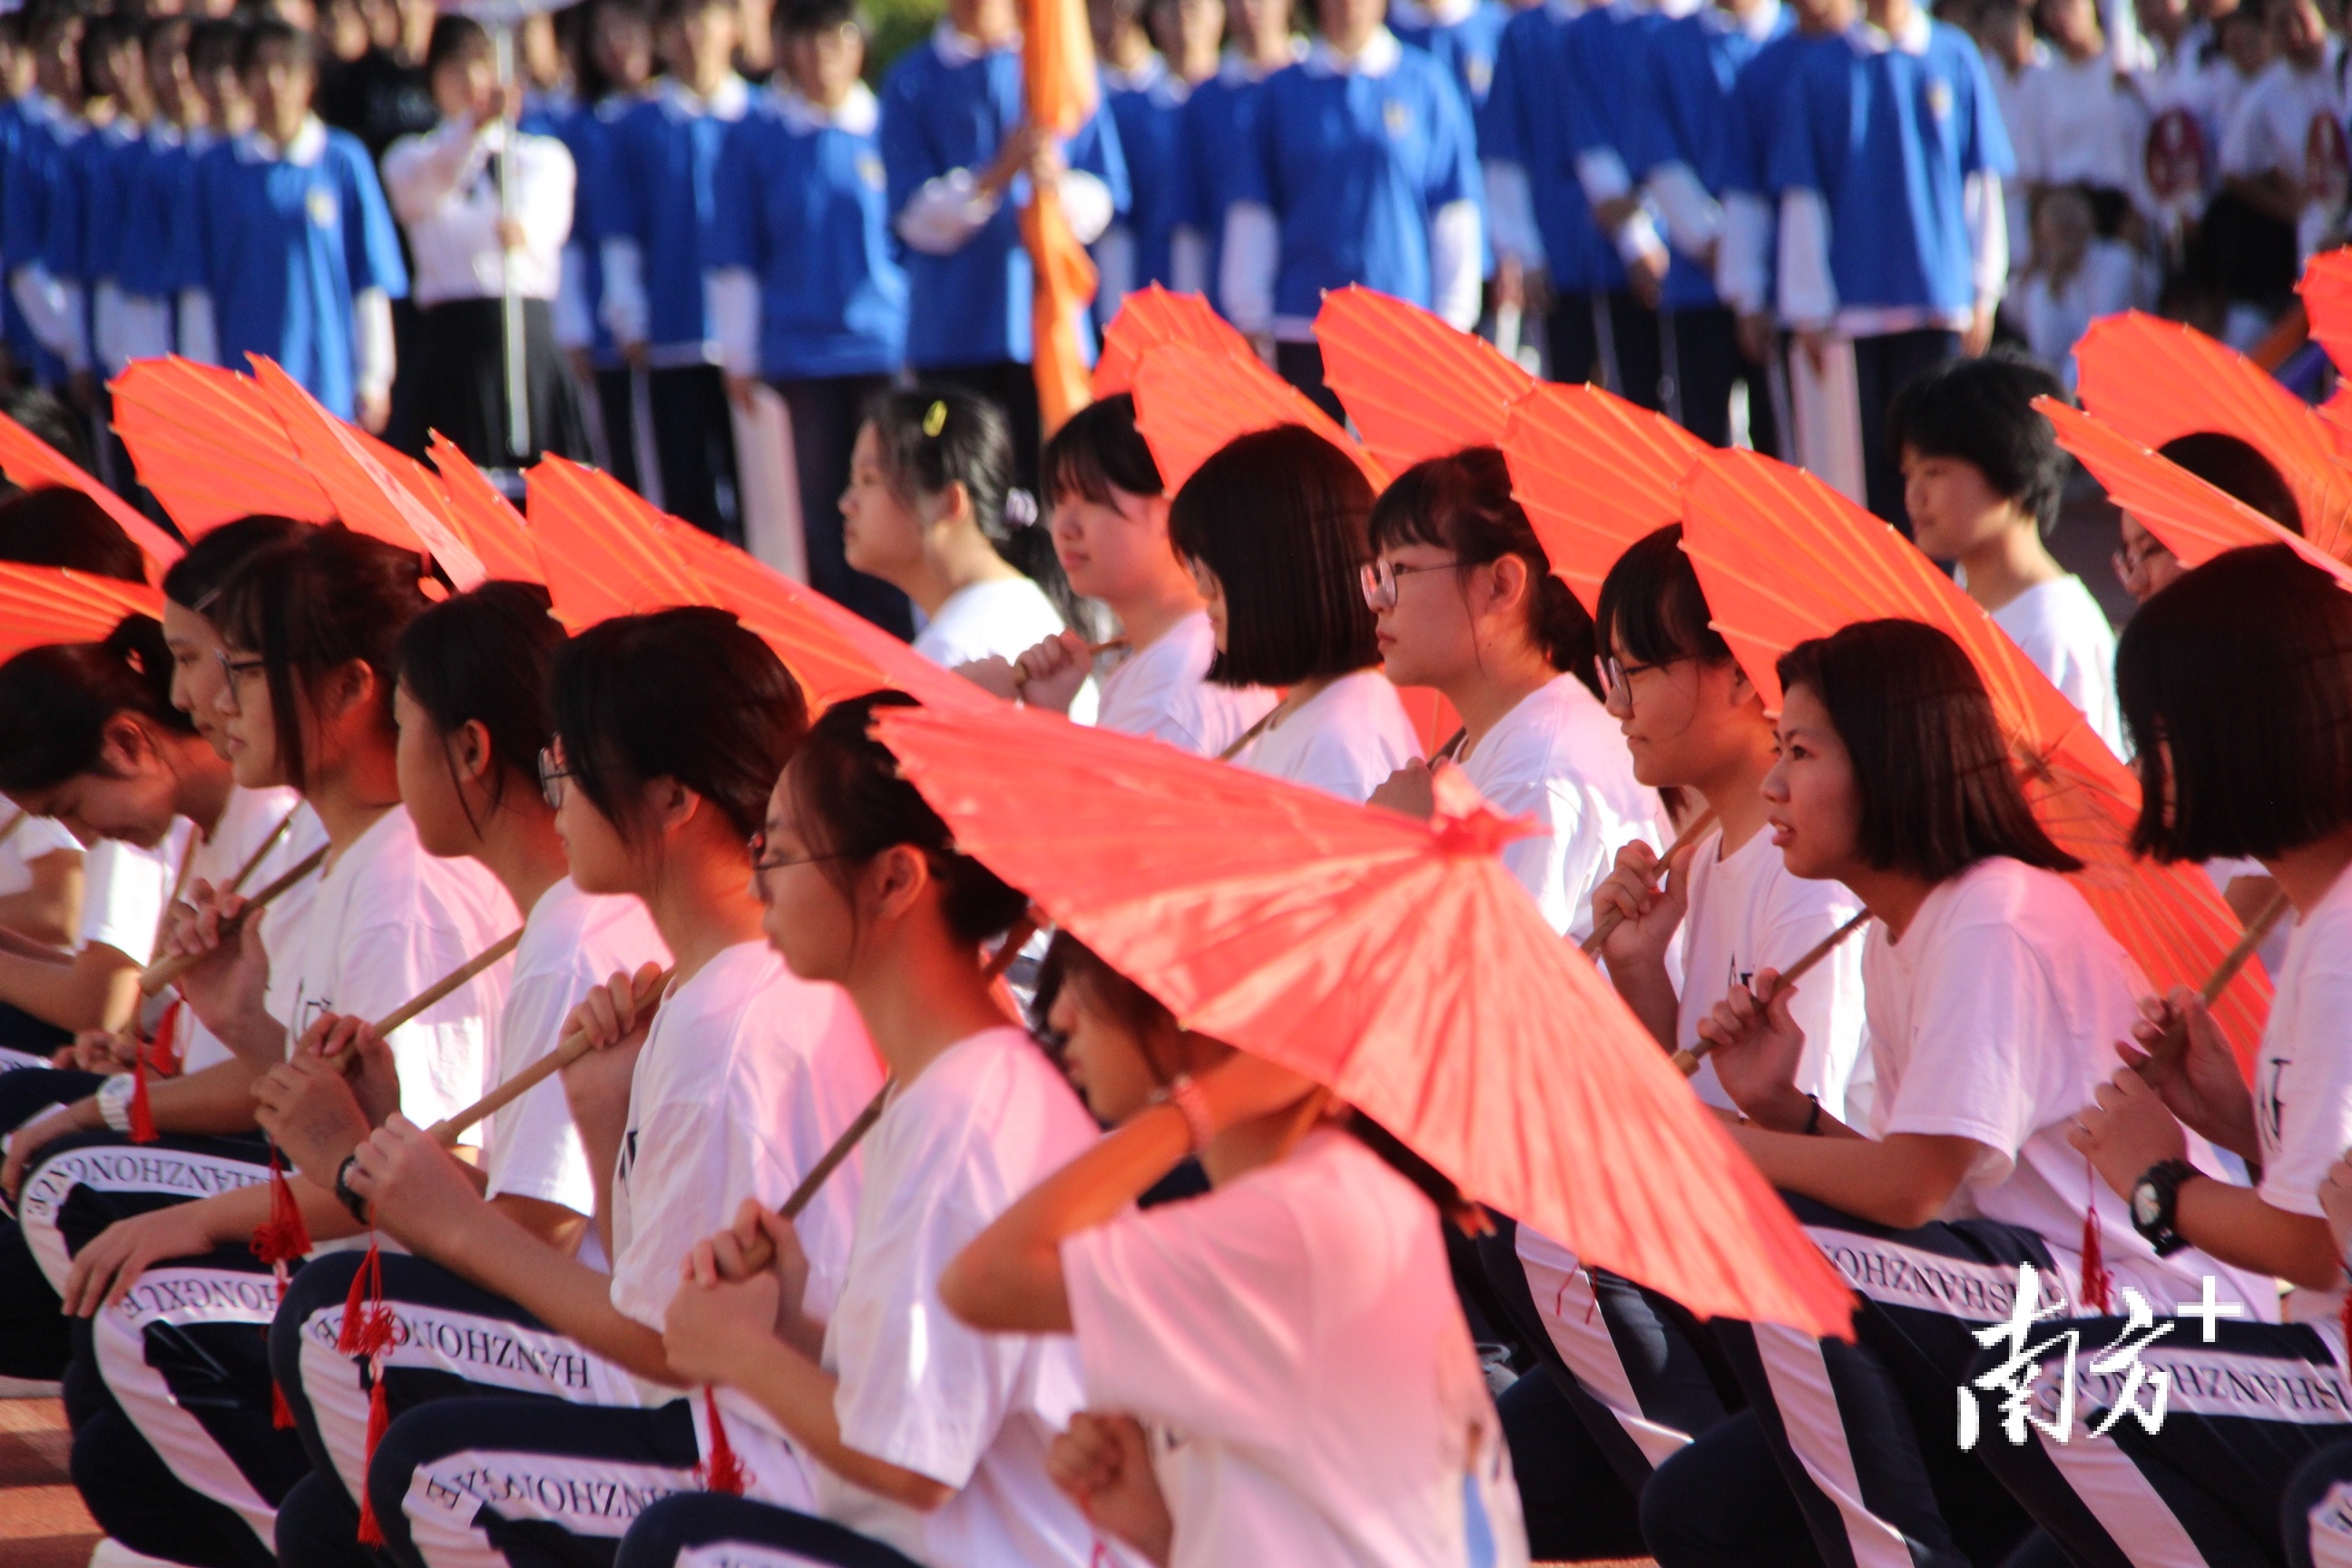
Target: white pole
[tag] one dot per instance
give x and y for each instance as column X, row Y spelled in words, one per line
column 515, row 352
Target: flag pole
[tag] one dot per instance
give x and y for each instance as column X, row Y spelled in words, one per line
column 514, row 347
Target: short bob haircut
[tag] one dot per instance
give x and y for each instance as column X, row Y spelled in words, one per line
column 61, row 527
column 320, row 600
column 56, row 702
column 852, row 805
column 1652, row 607
column 1980, row 411
column 2237, row 469
column 1938, row 786
column 1098, row 451
column 1280, row 517
column 2241, row 672
column 193, row 582
column 488, row 656
column 1462, row 503
column 684, row 694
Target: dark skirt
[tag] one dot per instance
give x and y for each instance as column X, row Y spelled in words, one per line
column 461, row 382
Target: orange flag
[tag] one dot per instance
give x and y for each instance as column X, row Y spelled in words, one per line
column 1057, row 65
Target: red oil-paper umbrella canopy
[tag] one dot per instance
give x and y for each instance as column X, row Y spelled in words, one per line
column 491, row 527
column 209, row 446
column 43, row 605
column 1153, row 315
column 2326, row 290
column 1595, row 473
column 1190, row 401
column 1395, row 961
column 1782, row 558
column 35, row 465
column 1414, row 386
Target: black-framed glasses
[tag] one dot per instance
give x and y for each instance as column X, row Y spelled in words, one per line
column 234, row 671
column 1617, row 676
column 762, row 862
column 551, row 774
column 1380, row 579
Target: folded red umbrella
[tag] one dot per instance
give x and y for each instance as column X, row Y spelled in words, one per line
column 1595, row 473
column 491, row 527
column 209, row 446
column 1414, row 386
column 1152, row 316
column 1395, row 961
column 44, row 605
column 1190, row 401
column 35, row 465
column 1783, row 557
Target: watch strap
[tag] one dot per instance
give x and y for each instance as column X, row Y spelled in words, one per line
column 114, row 1098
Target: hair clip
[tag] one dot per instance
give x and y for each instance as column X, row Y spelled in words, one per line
column 935, row 419
column 1020, row 508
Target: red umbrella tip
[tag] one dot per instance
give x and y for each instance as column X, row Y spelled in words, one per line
column 1465, row 824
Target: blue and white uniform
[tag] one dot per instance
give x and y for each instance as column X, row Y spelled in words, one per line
column 30, row 194
column 1463, row 35
column 1155, row 240
column 294, row 253
column 84, row 247
column 580, row 301
column 18, row 116
column 1220, row 125
column 1743, row 260
column 163, row 189
column 1540, row 216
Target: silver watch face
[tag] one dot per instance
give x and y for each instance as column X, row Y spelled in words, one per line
column 2145, row 1204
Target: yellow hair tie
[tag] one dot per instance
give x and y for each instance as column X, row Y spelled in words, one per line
column 935, row 420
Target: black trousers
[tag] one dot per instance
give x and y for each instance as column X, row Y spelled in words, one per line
column 693, row 442
column 1706, row 363
column 461, row 382
column 617, row 408
column 1883, row 366
column 1609, row 339
column 694, row 1521
column 1301, row 364
column 1013, row 387
column 35, row 1342
column 824, row 414
column 2314, row 1508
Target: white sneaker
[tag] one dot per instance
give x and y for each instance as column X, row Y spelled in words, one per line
column 111, row 1554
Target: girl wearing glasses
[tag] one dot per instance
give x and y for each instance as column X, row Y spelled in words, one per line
column 1273, row 528
column 724, row 1087
column 473, row 710
column 309, row 627
column 1466, row 603
column 930, row 1438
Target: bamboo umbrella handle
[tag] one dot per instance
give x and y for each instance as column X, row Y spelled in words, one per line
column 569, row 1049
column 165, row 971
column 2174, row 1042
column 448, row 983
column 1689, row 835
column 261, row 852
column 1688, row 1060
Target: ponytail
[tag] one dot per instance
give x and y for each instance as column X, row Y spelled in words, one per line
column 57, row 702
column 1434, row 1184
column 485, row 658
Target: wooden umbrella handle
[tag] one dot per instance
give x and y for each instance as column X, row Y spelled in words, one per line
column 568, row 1049
column 2173, row 1043
column 1687, row 1061
column 165, row 971
column 448, row 983
column 261, row 852
column 1689, row 835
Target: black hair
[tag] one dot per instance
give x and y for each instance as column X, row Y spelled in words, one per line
column 193, row 582
column 43, row 413
column 1937, row 783
column 800, row 18
column 270, row 35
column 57, row 700
column 1462, row 503
column 103, row 35
column 455, row 37
column 932, row 436
column 321, row 599
column 167, row 36
column 1098, row 450
column 485, row 657
column 1980, row 411
column 595, row 83
column 684, row 694
column 62, row 527
column 1652, row 605
column 214, row 43
column 851, row 804
column 46, row 22
column 2237, row 469
column 668, row 12
column 2241, row 671
column 1280, row 516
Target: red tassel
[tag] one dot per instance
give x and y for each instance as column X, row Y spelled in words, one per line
column 283, row 1238
column 281, row 1415
column 142, row 1113
column 371, row 1533
column 724, row 1473
column 2344, row 1320
column 2095, row 1282
column 165, row 1051
column 367, row 1321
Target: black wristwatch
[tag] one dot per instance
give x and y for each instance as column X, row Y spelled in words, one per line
column 2153, row 1199
column 349, row 1199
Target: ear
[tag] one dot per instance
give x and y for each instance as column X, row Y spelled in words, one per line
column 470, row 749
column 671, row 804
column 1743, row 690
column 124, row 742
column 346, row 689
column 895, row 879
column 1512, row 586
column 950, row 506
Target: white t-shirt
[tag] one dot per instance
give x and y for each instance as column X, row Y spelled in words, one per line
column 2225, row 870
column 1747, row 913
column 1345, row 740
column 2063, row 630
column 2056, row 316
column 748, row 1076
column 1995, row 1019
column 1005, row 617
column 2291, row 122
column 1294, row 1345
column 2077, row 124
column 247, row 822
column 1162, row 691
column 986, row 1121
column 2303, row 1073
column 572, row 942
column 37, row 839
column 1559, row 758
column 387, row 920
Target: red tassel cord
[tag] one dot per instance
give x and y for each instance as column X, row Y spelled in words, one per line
column 371, row 1533
column 163, row 1055
column 2097, row 1297
column 283, row 1238
column 723, row 1472
column 281, row 1415
column 367, row 1333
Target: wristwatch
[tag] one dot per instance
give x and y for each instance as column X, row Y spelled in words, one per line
column 349, row 1199
column 2153, row 1198
column 114, row 1098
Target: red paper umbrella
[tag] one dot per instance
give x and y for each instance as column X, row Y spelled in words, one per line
column 1782, row 557
column 209, row 446
column 1190, row 401
column 1152, row 316
column 2187, row 516
column 35, row 465
column 1414, row 386
column 1395, row 961
column 2155, row 380
column 604, row 553
column 2326, row 290
column 493, row 529
column 1595, row 473
column 43, row 605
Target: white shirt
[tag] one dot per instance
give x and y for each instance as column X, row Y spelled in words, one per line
column 1345, row 740
column 2078, row 123
column 2063, row 630
column 2303, row 1074
column 1163, row 690
column 2291, row 121
column 387, row 920
column 999, row 616
column 1294, row 1345
column 1559, row 758
column 444, row 188
column 747, row 1077
column 572, row 942
column 1994, row 1019
column 37, row 839
column 2056, row 316
column 987, row 1120
column 247, row 822
column 1747, row 913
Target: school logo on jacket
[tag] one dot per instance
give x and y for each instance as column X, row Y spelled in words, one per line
column 322, row 206
column 1480, row 72
column 870, row 170
column 1939, row 100
column 1398, row 118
